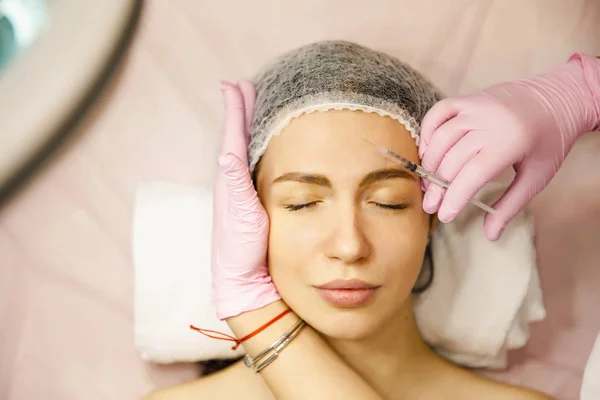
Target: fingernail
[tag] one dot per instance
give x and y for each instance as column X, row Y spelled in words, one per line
column 428, row 203
column 225, row 161
column 232, row 166
column 226, row 84
column 491, row 232
column 446, row 215
column 498, row 234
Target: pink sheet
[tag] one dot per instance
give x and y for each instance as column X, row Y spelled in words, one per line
column 65, row 258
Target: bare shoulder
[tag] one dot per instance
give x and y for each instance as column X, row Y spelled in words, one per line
column 467, row 385
column 504, row 391
column 521, row 393
column 235, row 381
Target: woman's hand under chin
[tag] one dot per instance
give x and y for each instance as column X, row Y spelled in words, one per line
column 240, row 278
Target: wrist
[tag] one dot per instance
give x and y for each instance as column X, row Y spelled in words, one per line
column 233, row 300
column 567, row 95
column 246, row 322
column 590, row 67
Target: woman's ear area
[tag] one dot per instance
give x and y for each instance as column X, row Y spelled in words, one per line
column 433, row 222
column 433, row 218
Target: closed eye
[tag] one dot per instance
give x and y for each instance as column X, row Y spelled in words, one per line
column 392, row 206
column 297, row 207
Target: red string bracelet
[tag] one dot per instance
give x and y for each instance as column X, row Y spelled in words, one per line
column 225, row 336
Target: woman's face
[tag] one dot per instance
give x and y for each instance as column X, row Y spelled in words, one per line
column 342, row 215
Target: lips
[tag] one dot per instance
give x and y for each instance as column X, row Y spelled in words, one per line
column 347, row 293
column 349, row 284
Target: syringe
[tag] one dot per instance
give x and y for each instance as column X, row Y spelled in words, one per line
column 423, row 173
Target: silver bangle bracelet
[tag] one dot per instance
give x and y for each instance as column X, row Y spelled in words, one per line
column 250, row 362
column 279, row 348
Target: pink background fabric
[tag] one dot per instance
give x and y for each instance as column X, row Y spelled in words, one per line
column 66, row 276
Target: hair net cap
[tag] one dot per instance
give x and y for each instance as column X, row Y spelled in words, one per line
column 336, row 75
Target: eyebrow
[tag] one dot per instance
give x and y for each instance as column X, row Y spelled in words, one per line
column 312, row 179
column 384, row 174
column 369, row 179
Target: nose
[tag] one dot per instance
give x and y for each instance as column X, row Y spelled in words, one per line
column 348, row 242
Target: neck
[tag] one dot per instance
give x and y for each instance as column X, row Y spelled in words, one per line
column 392, row 358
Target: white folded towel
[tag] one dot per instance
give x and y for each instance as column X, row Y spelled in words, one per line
column 484, row 294
column 171, row 256
column 479, row 305
column 590, row 389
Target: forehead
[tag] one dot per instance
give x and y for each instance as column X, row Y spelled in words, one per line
column 332, row 142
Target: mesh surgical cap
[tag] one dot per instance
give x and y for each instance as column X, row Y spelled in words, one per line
column 336, row 75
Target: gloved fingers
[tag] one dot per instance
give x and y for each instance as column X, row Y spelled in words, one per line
column 457, row 156
column 444, row 139
column 482, row 168
column 437, row 115
column 453, row 162
column 234, row 138
column 249, row 95
column 240, row 189
column 523, row 188
column 433, row 197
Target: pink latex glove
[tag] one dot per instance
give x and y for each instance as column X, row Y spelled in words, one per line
column 529, row 124
column 240, row 278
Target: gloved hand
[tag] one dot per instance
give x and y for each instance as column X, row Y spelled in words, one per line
column 240, row 279
column 529, row 124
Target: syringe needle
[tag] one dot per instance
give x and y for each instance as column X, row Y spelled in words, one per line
column 423, row 173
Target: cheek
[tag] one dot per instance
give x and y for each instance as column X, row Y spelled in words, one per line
column 402, row 254
column 293, row 242
column 408, row 228
column 399, row 244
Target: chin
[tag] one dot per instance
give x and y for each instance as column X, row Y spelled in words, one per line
column 345, row 324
